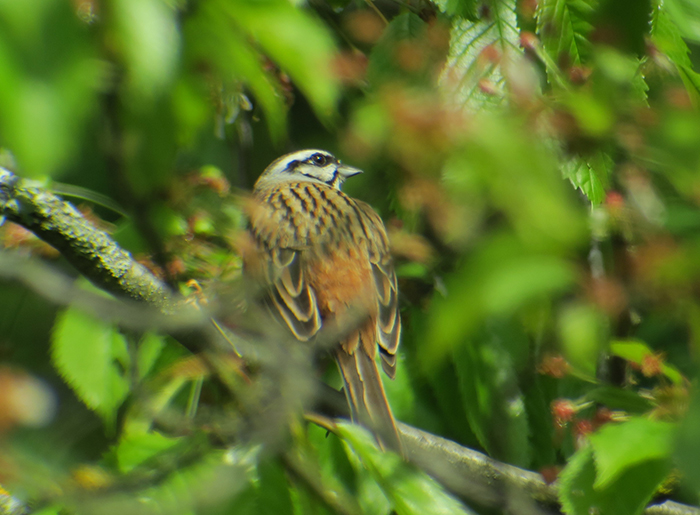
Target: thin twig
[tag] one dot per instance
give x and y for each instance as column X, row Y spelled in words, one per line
column 377, row 11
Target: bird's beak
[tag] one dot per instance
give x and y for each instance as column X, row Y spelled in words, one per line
column 346, row 171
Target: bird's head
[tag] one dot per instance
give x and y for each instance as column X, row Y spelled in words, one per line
column 307, row 165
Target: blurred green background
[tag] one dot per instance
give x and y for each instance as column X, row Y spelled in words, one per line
column 536, row 163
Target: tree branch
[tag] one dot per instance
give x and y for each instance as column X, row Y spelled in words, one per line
column 91, row 251
column 480, row 479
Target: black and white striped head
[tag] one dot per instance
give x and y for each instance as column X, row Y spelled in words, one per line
column 307, row 165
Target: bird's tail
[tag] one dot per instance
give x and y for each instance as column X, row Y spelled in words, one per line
column 366, row 397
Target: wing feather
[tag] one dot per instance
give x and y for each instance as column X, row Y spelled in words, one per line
column 388, row 319
column 303, row 327
column 282, row 246
column 293, row 299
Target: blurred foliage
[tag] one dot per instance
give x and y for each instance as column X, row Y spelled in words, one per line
column 537, row 164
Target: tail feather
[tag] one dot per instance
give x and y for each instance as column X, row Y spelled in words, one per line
column 366, row 397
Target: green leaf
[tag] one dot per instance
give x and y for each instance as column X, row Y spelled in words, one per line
column 667, row 36
column 518, row 174
column 326, row 465
column 296, row 41
column 501, row 277
column 462, row 8
column 232, row 34
column 523, row 279
column 624, row 77
column 206, row 481
column 469, row 66
column 628, row 494
column 687, row 445
column 576, row 483
column 628, row 20
column 413, row 270
column 383, row 66
column 685, row 15
column 306, row 501
column 491, row 395
column 448, row 405
column 591, row 175
column 49, row 81
column 618, row 447
column 637, row 351
column 148, row 38
column 83, row 351
column 582, row 330
column 619, row 399
column 211, row 38
column 49, row 510
column 564, row 27
column 410, row 491
column 593, row 114
column 149, row 350
column 537, row 398
column 245, row 503
column 273, row 489
column 135, row 449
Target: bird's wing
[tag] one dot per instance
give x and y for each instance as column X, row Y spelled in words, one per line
column 281, row 247
column 388, row 319
column 291, row 296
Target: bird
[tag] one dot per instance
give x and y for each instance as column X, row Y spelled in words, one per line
column 323, row 260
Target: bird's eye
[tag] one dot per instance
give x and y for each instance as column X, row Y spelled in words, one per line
column 319, row 159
